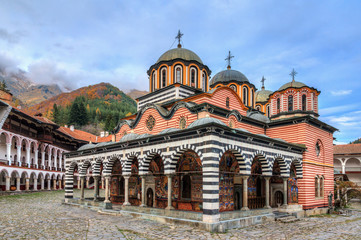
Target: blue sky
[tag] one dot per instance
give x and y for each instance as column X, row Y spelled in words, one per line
column 77, row 43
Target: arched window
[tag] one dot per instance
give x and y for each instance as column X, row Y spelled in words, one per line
column 153, row 82
column 278, row 105
column 290, row 103
column 233, row 87
column 267, row 111
column 178, row 75
column 258, row 108
column 227, row 102
column 245, row 96
column 193, row 78
column 304, row 102
column 316, row 186
column 252, row 94
column 318, row 149
column 163, row 78
column 204, row 82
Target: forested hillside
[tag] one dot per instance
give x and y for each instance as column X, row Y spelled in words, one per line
column 93, row 108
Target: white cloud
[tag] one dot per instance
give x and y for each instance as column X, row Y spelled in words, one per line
column 341, row 92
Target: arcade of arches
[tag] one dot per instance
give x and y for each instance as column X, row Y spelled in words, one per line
column 149, row 186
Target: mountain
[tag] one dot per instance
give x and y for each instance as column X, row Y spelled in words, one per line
column 27, row 91
column 134, row 93
column 101, row 104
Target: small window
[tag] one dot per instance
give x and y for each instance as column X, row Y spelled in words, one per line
column 318, row 149
column 252, row 94
column 164, row 78
column 316, row 186
column 233, row 87
column 227, row 102
column 245, row 96
column 258, row 108
column 304, row 102
column 193, row 78
column 182, row 123
column 290, row 103
column 178, row 75
column 267, row 110
column 278, row 105
column 150, row 123
column 204, row 82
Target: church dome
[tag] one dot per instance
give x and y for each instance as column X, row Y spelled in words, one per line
column 227, row 76
column 262, row 95
column 292, row 84
column 181, row 53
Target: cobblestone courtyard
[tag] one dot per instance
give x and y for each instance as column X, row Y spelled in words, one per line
column 42, row 216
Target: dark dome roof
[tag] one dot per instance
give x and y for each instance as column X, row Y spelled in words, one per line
column 292, row 84
column 181, row 53
column 228, row 75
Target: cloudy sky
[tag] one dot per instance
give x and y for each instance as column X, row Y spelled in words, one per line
column 78, row 43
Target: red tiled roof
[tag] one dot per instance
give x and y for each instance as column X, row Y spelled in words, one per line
column 347, row 149
column 78, row 134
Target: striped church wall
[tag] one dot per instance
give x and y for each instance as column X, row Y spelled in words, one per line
column 312, row 165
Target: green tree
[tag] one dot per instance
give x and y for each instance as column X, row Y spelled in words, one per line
column 73, row 115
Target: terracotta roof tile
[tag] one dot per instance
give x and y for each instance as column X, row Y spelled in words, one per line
column 347, row 149
column 78, row 134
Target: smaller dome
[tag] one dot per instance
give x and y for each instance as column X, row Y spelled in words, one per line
column 181, row 53
column 262, row 95
column 145, row 135
column 128, row 137
column 103, row 144
column 292, row 84
column 258, row 116
column 205, row 121
column 227, row 76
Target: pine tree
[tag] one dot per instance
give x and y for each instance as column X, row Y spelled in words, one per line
column 56, row 114
column 73, row 115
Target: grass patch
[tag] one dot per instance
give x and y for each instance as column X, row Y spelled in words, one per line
column 353, row 220
column 324, row 215
column 28, row 195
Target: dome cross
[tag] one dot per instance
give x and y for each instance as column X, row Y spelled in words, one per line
column 179, row 37
column 262, row 81
column 229, row 59
column 293, row 74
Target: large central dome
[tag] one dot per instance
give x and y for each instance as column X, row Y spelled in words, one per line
column 227, row 76
column 181, row 53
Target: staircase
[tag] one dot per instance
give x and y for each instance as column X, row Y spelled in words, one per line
column 284, row 217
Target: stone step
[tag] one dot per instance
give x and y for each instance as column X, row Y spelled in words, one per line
column 288, row 219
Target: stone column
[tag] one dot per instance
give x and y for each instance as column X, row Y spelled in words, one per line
column 36, row 159
column 87, row 183
column 55, row 162
column 35, row 187
column 245, row 193
column 49, row 187
column 285, row 181
column 343, row 167
column 18, row 184
column 107, row 203
column 59, row 184
column 7, row 183
column 54, row 184
column 18, row 153
column 42, row 184
column 169, row 206
column 267, row 205
column 42, row 160
column 82, row 188
column 96, row 187
column 126, row 191
column 28, row 156
column 27, row 184
column 49, row 161
column 143, row 192
column 8, row 153
column 78, row 184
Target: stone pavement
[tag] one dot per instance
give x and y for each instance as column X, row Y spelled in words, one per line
column 42, row 216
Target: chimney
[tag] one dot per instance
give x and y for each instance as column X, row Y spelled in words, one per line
column 72, row 128
column 106, row 133
column 101, row 134
column 66, row 126
column 113, row 138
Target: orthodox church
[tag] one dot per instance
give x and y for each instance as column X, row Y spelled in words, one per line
column 212, row 150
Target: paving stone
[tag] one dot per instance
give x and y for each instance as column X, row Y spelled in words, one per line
column 42, row 216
